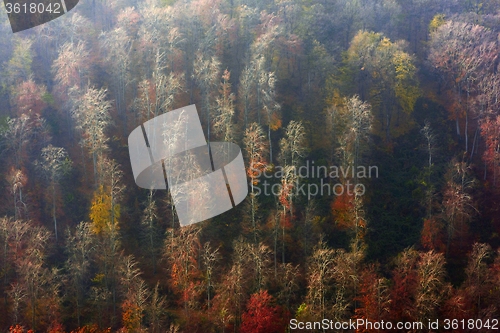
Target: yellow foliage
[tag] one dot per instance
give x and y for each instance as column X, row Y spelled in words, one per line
column 406, row 87
column 275, row 122
column 334, row 97
column 103, row 217
column 98, row 278
column 385, row 43
column 437, row 21
column 361, row 48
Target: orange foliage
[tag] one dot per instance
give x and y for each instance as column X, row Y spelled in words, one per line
column 190, row 292
column 373, row 298
column 131, row 316
column 56, row 327
column 405, row 282
column 431, row 236
column 285, row 194
column 91, row 329
column 275, row 122
column 342, row 208
column 19, row 329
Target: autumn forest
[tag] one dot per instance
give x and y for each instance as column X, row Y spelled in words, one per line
column 407, row 89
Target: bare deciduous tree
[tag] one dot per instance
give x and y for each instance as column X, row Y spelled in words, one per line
column 134, row 291
column 345, row 273
column 458, row 203
column 463, row 53
column 151, row 232
column 34, row 276
column 477, row 281
column 356, row 118
column 206, row 72
column 80, row 247
column 289, row 282
column 431, row 288
column 245, row 93
column 267, row 82
column 430, row 142
column 286, row 195
column 255, row 148
column 293, row 145
column 71, row 68
column 182, row 252
column 164, row 89
column 259, row 264
column 319, row 280
column 92, row 115
column 210, row 258
column 223, row 121
column 117, row 46
column 156, row 310
column 19, row 131
column 54, row 163
column 17, row 180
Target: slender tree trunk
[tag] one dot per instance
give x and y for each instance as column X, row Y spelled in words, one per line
column 246, row 111
column 5, row 265
column 252, row 202
column 466, row 131
column 275, row 247
column 474, row 141
column 270, row 143
column 33, row 305
column 207, row 101
column 15, row 205
column 151, row 243
column 258, row 102
column 54, row 208
column 77, row 306
column 283, row 230
column 94, row 160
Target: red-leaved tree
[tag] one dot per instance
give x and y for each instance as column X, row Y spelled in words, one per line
column 261, row 316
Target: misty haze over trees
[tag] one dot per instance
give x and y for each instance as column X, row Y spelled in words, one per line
column 409, row 86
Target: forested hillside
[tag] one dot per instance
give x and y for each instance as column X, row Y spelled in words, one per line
column 370, row 131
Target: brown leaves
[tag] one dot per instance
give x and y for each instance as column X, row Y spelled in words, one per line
column 431, row 237
column 71, row 67
column 30, row 96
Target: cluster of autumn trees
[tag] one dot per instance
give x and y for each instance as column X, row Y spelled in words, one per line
column 412, row 87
